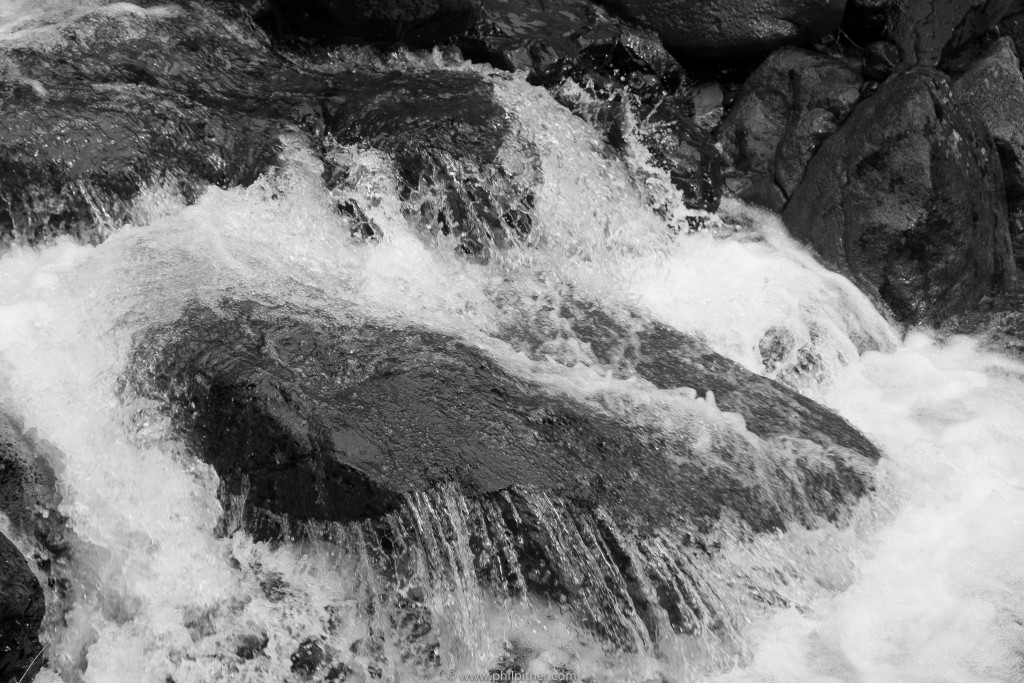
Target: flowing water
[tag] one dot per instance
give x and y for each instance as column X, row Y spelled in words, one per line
column 926, row 583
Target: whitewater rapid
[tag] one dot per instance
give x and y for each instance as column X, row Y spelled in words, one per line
column 926, row 583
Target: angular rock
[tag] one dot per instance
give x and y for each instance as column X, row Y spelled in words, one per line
column 283, row 406
column 463, row 171
column 576, row 38
column 413, row 22
column 22, row 608
column 129, row 100
column 731, row 30
column 404, row 443
column 929, row 31
column 783, row 113
column 28, row 499
column 907, row 198
column 992, row 89
column 678, row 146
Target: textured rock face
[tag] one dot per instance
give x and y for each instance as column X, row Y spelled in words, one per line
column 929, row 30
column 793, row 102
column 308, row 421
column 28, row 498
column 992, row 89
column 414, row 22
column 125, row 102
column 908, row 199
column 551, row 39
column 732, row 29
column 21, row 612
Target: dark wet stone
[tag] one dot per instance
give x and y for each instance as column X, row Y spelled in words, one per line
column 22, row 608
column 793, row 102
column 864, row 21
column 412, row 22
column 689, row 155
column 992, row 89
column 929, row 31
column 574, row 38
column 252, row 645
column 309, row 657
column 453, row 146
column 187, row 101
column 320, row 422
column 730, row 30
column 907, row 198
column 880, row 59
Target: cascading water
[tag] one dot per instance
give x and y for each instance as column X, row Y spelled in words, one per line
column 924, row 583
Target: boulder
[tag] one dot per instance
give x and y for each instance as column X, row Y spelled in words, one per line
column 129, row 100
column 992, row 89
column 366, row 414
column 382, row 438
column 417, row 23
column 793, row 102
column 732, row 30
column 28, row 499
column 688, row 154
column 559, row 38
column 907, row 199
column 929, row 31
column 22, row 608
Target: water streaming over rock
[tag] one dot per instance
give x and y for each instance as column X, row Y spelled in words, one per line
column 921, row 581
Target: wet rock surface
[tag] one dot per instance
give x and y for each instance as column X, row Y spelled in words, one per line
column 135, row 100
column 28, row 500
column 413, row 22
column 732, row 29
column 378, row 438
column 793, row 102
column 928, row 31
column 992, row 89
column 285, row 406
column 908, row 199
column 22, row 608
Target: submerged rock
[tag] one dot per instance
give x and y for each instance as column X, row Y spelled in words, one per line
column 793, row 102
column 730, row 30
column 310, row 423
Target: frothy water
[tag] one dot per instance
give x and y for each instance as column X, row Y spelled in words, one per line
column 926, row 583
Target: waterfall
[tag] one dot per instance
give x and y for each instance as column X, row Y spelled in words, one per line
column 921, row 581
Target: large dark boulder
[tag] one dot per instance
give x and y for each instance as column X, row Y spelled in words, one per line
column 576, row 38
column 929, row 31
column 992, row 89
column 28, row 499
column 319, row 427
column 463, row 172
column 731, row 30
column 123, row 102
column 413, row 22
column 793, row 102
column 22, row 608
column 907, row 198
